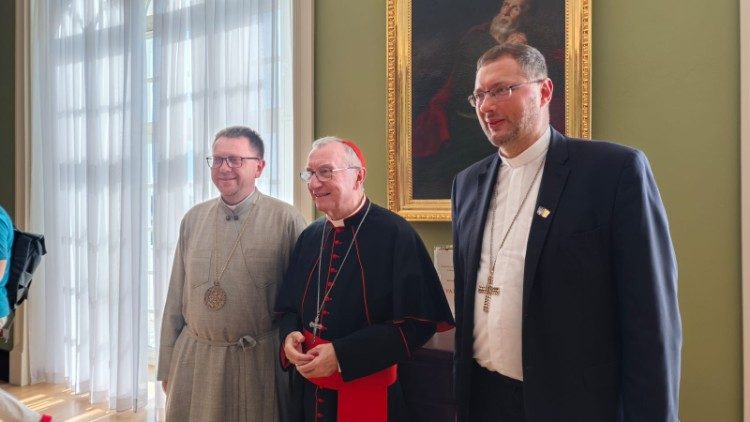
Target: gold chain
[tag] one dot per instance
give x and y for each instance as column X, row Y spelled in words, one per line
column 234, row 248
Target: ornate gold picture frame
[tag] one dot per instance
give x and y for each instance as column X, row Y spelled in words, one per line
column 432, row 48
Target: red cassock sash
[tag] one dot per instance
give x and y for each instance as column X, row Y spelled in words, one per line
column 364, row 399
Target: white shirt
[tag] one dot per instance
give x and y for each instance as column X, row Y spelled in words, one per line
column 497, row 333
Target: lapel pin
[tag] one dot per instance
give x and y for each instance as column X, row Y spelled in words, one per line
column 543, row 212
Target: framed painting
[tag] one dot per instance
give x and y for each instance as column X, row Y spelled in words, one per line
column 432, row 49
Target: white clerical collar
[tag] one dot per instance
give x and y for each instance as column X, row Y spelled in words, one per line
column 234, row 207
column 340, row 223
column 531, row 153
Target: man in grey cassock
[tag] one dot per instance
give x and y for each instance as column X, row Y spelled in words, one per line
column 219, row 340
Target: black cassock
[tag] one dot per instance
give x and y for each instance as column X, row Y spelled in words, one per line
column 386, row 301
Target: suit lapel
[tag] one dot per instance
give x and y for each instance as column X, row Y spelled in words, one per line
column 485, row 184
column 553, row 181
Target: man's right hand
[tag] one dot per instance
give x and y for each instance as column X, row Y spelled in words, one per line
column 293, row 349
column 164, row 386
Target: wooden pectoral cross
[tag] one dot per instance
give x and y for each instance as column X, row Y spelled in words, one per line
column 488, row 291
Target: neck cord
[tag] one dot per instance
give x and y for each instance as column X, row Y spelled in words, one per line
column 494, row 210
column 219, row 274
column 321, row 304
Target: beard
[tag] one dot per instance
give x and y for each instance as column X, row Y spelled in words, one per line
column 501, row 27
column 526, row 125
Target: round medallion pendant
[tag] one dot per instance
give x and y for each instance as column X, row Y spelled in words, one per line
column 215, row 298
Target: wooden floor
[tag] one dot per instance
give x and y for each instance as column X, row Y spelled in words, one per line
column 60, row 403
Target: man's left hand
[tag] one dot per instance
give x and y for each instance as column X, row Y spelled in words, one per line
column 324, row 364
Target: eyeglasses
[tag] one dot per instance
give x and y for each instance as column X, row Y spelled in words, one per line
column 323, row 175
column 232, row 162
column 501, row 93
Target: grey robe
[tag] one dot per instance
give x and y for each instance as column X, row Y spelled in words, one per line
column 222, row 365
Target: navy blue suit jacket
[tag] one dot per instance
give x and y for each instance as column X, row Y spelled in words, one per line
column 601, row 327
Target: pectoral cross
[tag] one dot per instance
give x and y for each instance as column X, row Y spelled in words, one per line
column 315, row 325
column 488, row 290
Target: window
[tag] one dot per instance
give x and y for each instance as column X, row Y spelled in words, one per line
column 136, row 91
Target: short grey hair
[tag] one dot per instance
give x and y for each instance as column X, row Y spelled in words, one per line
column 529, row 58
column 242, row 132
column 349, row 155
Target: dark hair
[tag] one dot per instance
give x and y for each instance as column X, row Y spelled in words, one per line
column 529, row 58
column 242, row 132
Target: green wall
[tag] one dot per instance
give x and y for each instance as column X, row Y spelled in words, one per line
column 665, row 80
column 7, row 105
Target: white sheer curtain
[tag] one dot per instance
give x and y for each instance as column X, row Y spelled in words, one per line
column 99, row 184
column 87, row 325
column 217, row 63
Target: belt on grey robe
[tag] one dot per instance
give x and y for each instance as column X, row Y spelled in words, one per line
column 245, row 342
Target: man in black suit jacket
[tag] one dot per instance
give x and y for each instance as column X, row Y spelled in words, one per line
column 565, row 275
